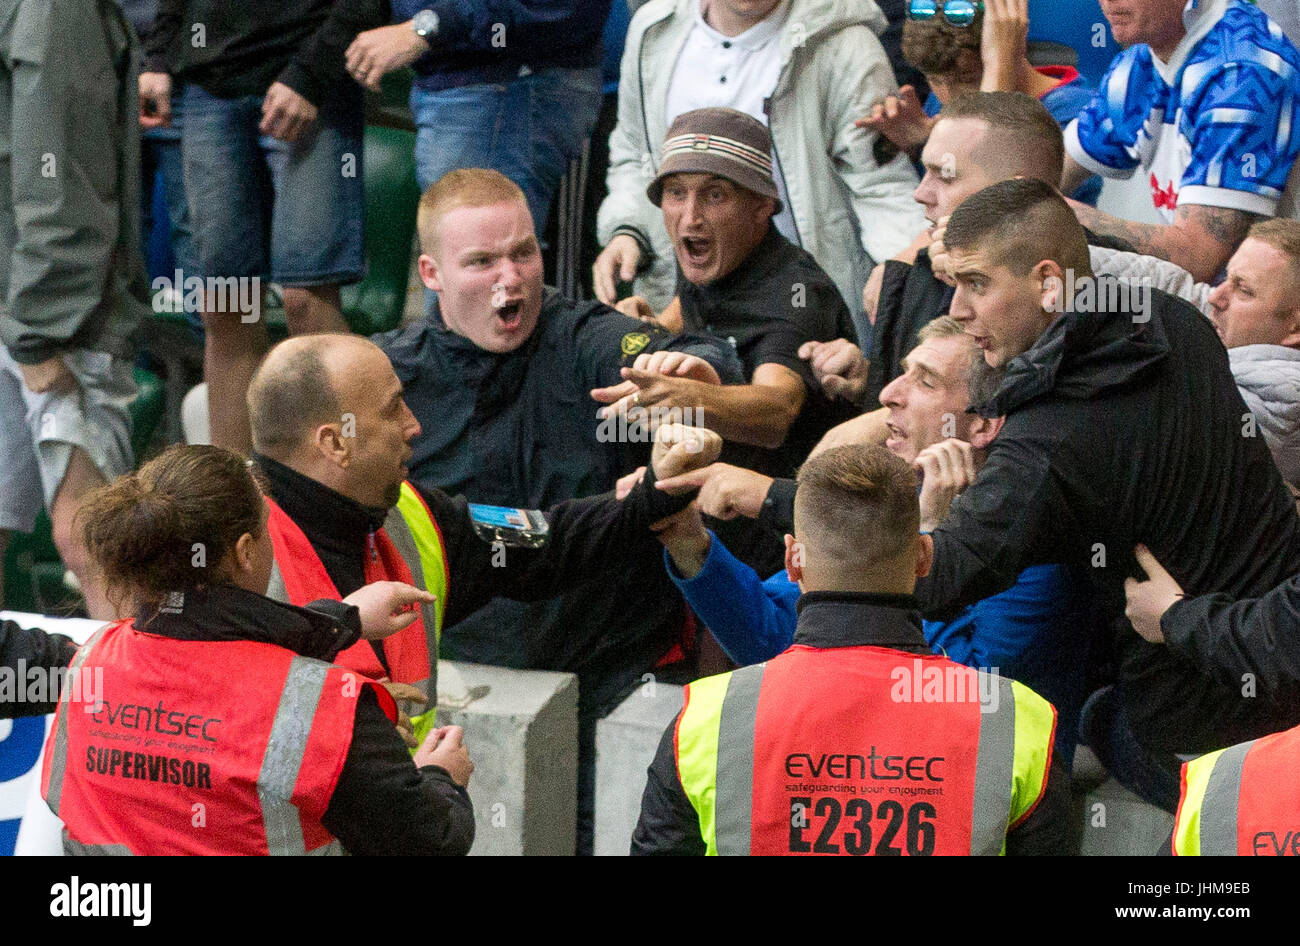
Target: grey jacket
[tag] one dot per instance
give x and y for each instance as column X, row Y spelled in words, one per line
column 1268, row 377
column 848, row 210
column 71, row 273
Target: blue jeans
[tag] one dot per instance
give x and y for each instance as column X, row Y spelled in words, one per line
column 528, row 129
column 160, row 159
column 1104, row 728
column 264, row 207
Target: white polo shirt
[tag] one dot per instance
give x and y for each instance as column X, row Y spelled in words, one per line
column 740, row 72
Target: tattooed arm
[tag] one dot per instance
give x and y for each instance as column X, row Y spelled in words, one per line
column 1200, row 239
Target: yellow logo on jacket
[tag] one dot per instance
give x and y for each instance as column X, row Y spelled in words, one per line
column 633, row 342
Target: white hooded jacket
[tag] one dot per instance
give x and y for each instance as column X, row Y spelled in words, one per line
column 849, row 212
column 1268, row 377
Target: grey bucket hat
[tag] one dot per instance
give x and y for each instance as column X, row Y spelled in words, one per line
column 719, row 141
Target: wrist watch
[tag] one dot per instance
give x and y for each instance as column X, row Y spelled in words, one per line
column 425, row 24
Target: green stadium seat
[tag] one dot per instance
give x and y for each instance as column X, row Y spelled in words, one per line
column 392, row 195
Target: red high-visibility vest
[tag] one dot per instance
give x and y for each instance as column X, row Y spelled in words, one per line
column 199, row 747
column 305, row 580
column 1243, row 800
column 861, row 750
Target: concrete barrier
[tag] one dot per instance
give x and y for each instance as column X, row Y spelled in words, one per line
column 1113, row 820
column 521, row 727
column 626, row 741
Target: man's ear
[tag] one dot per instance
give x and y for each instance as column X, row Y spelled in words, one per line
column 329, row 442
column 794, row 559
column 1051, row 278
column 764, row 209
column 924, row 555
column 1292, row 338
column 983, row 430
column 428, row 269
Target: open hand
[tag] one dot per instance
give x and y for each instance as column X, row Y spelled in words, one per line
column 901, row 118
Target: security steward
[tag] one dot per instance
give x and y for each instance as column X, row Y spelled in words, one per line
column 333, row 434
column 856, row 740
column 217, row 723
column 1243, row 800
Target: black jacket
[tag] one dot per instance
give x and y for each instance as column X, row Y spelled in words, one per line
column 382, row 803
column 590, row 542
column 520, row 429
column 1230, row 639
column 910, row 299
column 248, row 46
column 669, row 823
column 1120, row 431
column 23, row 649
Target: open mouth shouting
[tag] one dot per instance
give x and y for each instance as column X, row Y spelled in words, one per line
column 509, row 312
column 697, row 251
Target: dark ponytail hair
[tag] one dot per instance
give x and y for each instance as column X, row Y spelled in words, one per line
column 170, row 525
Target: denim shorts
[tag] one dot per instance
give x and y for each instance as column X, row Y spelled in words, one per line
column 529, row 129
column 290, row 212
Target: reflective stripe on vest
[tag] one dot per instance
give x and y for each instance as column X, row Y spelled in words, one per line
column 57, row 761
column 284, row 753
column 1243, row 800
column 73, row 848
column 736, row 760
column 414, row 535
column 715, row 750
column 1222, row 793
column 994, row 774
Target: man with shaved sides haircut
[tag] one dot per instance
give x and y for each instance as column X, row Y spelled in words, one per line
column 766, row 759
column 979, row 139
column 1123, row 426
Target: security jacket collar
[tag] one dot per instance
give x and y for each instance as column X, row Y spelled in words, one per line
column 229, row 613
column 326, row 517
column 858, row 619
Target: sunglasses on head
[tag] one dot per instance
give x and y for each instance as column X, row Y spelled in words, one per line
column 955, row 12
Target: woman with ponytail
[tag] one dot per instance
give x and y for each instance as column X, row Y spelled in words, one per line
column 217, row 724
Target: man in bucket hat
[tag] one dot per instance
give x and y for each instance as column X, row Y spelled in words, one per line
column 738, row 279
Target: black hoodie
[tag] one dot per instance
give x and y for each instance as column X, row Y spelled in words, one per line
column 1125, row 428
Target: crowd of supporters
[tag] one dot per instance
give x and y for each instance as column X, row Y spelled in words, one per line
column 796, row 261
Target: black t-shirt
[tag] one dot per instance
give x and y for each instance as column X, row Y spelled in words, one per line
column 774, row 301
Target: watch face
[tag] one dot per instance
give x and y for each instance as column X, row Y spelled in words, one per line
column 425, row 22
